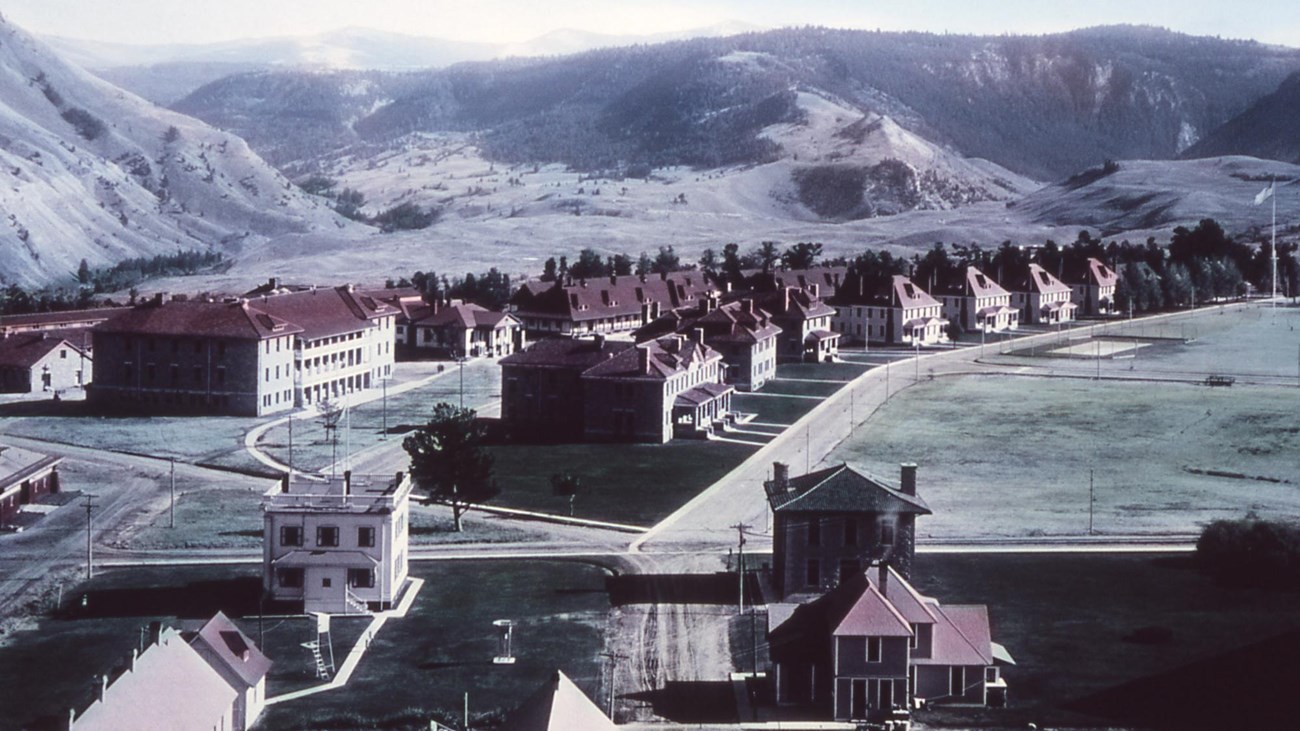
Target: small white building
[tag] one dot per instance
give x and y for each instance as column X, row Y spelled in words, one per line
column 977, row 302
column 900, row 314
column 1092, row 285
column 336, row 545
column 1041, row 298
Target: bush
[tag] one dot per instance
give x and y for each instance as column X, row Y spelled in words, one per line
column 1251, row 552
column 86, row 124
column 406, row 217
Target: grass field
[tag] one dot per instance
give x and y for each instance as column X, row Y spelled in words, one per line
column 772, row 409
column 637, row 484
column 1069, row 621
column 989, row 444
column 424, row 661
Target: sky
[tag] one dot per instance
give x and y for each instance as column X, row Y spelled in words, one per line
column 511, row 21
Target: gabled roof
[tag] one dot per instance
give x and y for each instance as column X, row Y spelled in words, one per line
column 789, row 303
column 594, row 299
column 961, row 636
column 969, row 282
column 233, row 654
column 18, row 464
column 569, row 354
column 702, row 394
column 1090, row 272
column 26, row 349
column 664, row 358
column 827, row 279
column 872, row 616
column 906, row 600
column 236, row 320
column 467, row 316
column 1034, row 278
column 841, row 489
column 558, row 705
column 741, row 321
column 171, row 687
column 324, row 312
column 898, row 291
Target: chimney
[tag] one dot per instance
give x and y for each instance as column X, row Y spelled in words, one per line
column 159, row 298
column 781, row 475
column 663, row 276
column 397, row 480
column 907, row 478
column 273, row 283
column 347, row 482
column 613, row 280
column 599, row 340
column 155, row 632
column 284, row 483
column 747, row 306
column 883, row 582
column 643, row 359
column 72, row 718
column 103, row 687
column 641, row 276
column 814, row 290
column 130, row 667
column 785, row 299
column 697, row 335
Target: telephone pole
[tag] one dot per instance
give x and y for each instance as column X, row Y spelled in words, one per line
column 89, row 505
column 171, row 515
column 740, row 532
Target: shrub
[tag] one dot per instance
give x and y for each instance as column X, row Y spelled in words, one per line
column 86, row 124
column 406, row 217
column 1251, row 552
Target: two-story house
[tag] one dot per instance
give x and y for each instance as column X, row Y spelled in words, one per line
column 828, row 525
column 1041, row 298
column 598, row 390
column 742, row 332
column 336, row 545
column 31, row 362
column 976, row 302
column 466, row 330
column 1092, row 287
column 868, row 649
column 805, row 322
column 896, row 312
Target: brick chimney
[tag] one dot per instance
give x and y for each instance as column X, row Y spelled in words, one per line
column 814, row 290
column 747, row 306
column 882, row 583
column 907, row 478
column 643, row 360
column 785, row 299
column 697, row 335
column 781, row 475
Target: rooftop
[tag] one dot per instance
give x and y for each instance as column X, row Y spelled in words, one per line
column 343, row 493
column 26, row 349
column 841, row 489
column 17, row 465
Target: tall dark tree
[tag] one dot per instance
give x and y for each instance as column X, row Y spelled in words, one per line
column 449, row 461
column 589, row 265
column 621, row 264
column 83, row 272
column 768, row 255
column 731, row 265
column 666, row 261
column 801, row 256
column 549, row 270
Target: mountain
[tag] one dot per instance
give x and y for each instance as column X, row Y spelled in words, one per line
column 1270, row 129
column 1042, row 106
column 93, row 172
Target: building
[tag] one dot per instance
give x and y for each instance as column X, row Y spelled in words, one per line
column 25, row 477
column 1041, row 298
column 605, row 306
column 459, row 330
column 58, row 321
column 598, row 390
column 558, row 705
column 742, row 332
column 830, row 524
column 805, row 322
column 976, row 302
column 237, row 660
column 1092, row 287
column 827, row 279
column 243, row 357
column 338, row 544
column 43, row 360
column 895, row 312
column 180, row 682
column 873, row 647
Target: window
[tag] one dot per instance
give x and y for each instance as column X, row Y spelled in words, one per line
column 365, row 537
column 813, row 575
column 326, row 582
column 63, row 355
column 916, row 635
column 957, row 681
column 290, row 578
column 361, row 578
column 873, row 649
column 814, row 532
column 990, row 675
column 327, row 535
column 886, row 534
column 291, row 535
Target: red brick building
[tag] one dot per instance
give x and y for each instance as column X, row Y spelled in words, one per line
column 25, row 477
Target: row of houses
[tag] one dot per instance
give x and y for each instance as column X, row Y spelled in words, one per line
column 850, row 638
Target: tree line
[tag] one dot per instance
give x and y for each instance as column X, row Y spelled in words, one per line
column 124, row 275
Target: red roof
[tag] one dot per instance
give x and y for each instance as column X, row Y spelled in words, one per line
column 38, row 320
column 961, row 636
column 239, row 320
column 468, row 316
column 323, row 313
column 872, row 616
column 567, row 353
column 665, row 357
column 237, row 658
column 26, row 349
column 1037, row 279
column 595, row 299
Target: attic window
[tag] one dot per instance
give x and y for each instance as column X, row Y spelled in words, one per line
column 981, row 281
column 369, row 302
column 909, row 289
column 1043, row 276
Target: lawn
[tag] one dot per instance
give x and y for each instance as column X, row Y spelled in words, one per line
column 989, row 442
column 821, row 371
column 772, row 409
column 801, row 388
column 1069, row 621
column 424, row 661
column 636, row 484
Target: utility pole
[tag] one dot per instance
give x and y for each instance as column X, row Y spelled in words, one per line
column 171, row 513
column 384, row 433
column 614, row 657
column 1091, row 500
column 461, row 362
column 917, row 345
column 740, row 530
column 807, row 449
column 89, row 505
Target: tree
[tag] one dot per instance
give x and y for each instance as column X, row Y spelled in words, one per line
column 449, row 462
column 171, row 135
column 643, row 264
column 622, row 265
column 407, row 217
column 348, row 204
column 330, row 414
column 666, row 261
column 589, row 265
column 801, row 256
column 731, row 265
column 83, row 272
column 548, row 270
column 768, row 255
column 709, row 264
column 318, row 185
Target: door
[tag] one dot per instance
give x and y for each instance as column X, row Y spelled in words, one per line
column 858, row 711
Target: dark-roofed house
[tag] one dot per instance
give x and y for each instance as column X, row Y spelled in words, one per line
column 460, row 330
column 742, row 332
column 826, row 279
column 896, row 312
column 336, row 545
column 167, row 686
column 805, row 322
column 1041, row 298
column 25, row 476
column 829, row 524
column 976, row 302
column 866, row 650
column 237, row 660
column 607, row 305
column 247, row 357
column 558, row 705
column 63, row 320
column 1092, row 287
column 604, row 391
column 41, row 361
